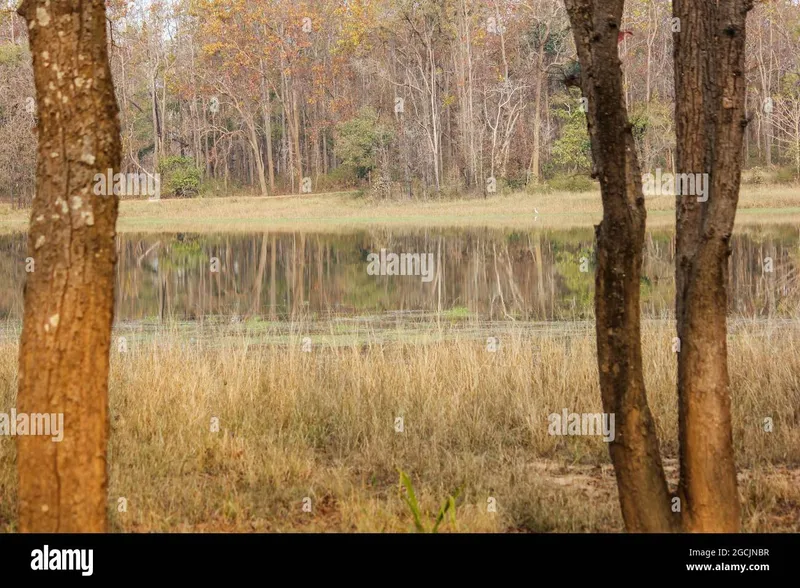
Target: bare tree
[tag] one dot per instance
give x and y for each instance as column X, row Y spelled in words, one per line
column 786, row 121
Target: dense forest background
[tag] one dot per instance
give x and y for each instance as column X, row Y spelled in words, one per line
column 401, row 98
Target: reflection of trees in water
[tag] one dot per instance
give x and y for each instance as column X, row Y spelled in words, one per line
column 763, row 293
column 487, row 273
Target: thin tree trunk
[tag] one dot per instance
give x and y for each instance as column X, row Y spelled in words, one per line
column 298, row 157
column 535, row 174
column 643, row 492
column 256, row 147
column 268, row 130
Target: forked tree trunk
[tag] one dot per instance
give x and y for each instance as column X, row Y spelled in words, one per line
column 710, row 122
column 69, row 297
column 643, row 492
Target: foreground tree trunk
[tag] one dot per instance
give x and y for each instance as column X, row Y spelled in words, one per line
column 710, row 90
column 643, row 492
column 69, row 297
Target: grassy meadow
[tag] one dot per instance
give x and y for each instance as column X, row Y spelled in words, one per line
column 322, row 425
column 345, row 211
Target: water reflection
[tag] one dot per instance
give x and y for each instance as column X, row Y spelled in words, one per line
column 486, row 274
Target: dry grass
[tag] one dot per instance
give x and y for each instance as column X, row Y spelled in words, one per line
column 345, row 211
column 321, row 425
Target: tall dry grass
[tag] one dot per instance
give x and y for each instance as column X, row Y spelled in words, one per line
column 322, row 425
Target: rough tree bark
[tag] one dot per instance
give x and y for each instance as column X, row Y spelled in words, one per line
column 643, row 492
column 710, row 123
column 69, row 297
